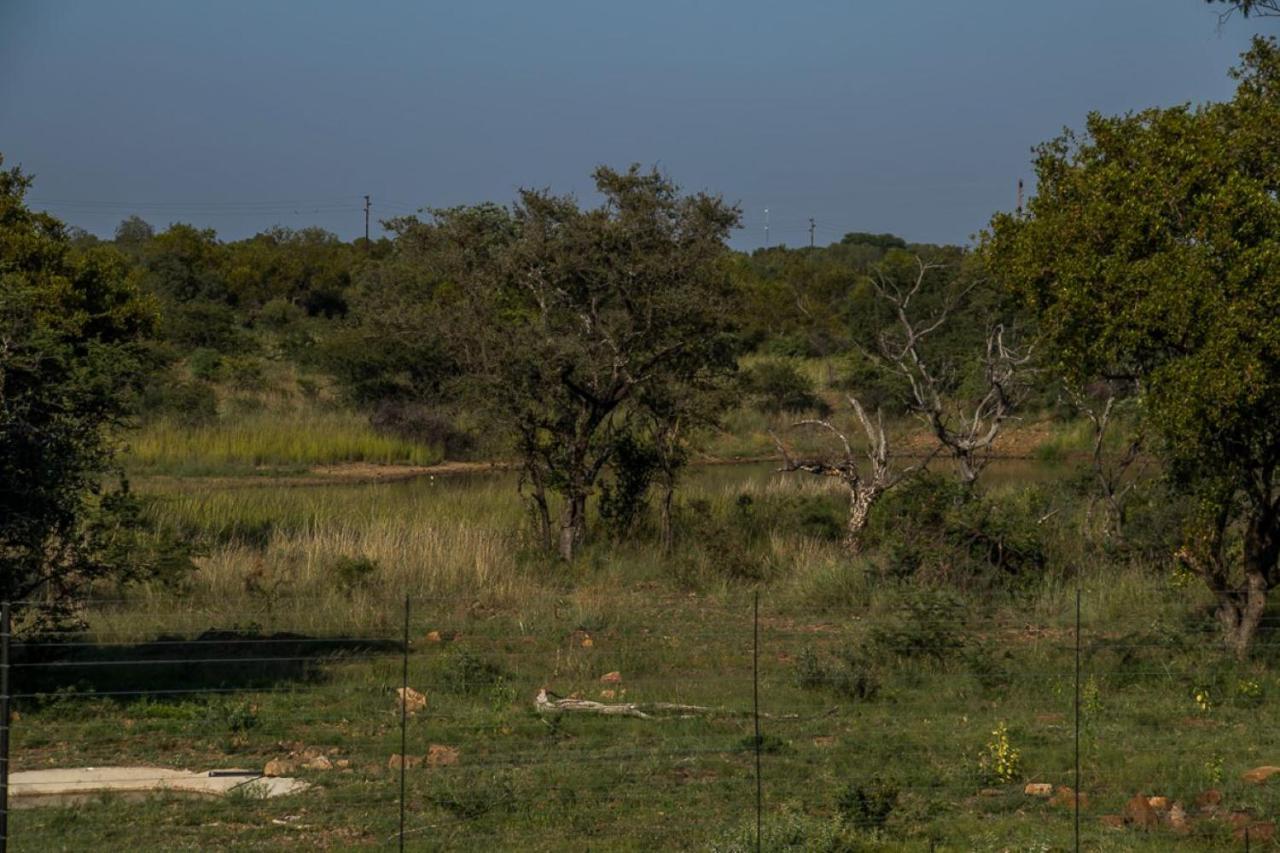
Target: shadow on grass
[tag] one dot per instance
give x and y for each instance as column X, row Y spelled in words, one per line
column 177, row 667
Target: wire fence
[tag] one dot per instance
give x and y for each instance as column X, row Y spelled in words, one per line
column 931, row 729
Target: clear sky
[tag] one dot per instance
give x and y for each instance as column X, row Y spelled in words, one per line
column 911, row 117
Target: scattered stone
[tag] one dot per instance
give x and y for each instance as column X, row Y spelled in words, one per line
column 433, row 636
column 824, row 741
column 1177, row 819
column 611, row 678
column 397, row 760
column 1139, row 814
column 1160, row 804
column 1038, row 789
column 587, row 642
column 278, row 767
column 1209, row 800
column 1258, row 775
column 991, row 792
column 608, row 694
column 320, row 762
column 410, row 699
column 439, row 755
column 1066, row 798
column 1114, row 821
column 1257, row 833
column 342, row 763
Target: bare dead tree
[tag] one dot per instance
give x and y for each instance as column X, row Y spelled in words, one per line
column 967, row 431
column 1116, row 476
column 864, row 491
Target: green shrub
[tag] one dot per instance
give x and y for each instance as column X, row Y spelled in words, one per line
column 776, row 386
column 354, row 573
column 463, row 671
column 846, row 674
column 205, row 364
column 922, row 623
column 792, row 829
column 624, row 496
column 186, row 404
column 934, row 528
column 867, row 804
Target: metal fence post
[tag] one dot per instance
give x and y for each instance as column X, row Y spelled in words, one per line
column 755, row 685
column 1077, row 744
column 403, row 721
column 5, row 631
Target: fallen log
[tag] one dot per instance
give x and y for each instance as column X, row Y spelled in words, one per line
column 549, row 703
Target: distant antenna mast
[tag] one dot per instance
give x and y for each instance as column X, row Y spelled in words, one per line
column 366, row 224
column 1019, row 196
column 766, row 227
column 810, row 232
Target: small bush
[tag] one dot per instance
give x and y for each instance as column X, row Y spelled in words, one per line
column 847, row 674
column 777, row 386
column 868, row 804
column 923, row 623
column 235, row 716
column 205, row 364
column 989, row 665
column 791, row 830
column 353, row 573
column 473, row 798
column 624, row 497
column 421, row 425
column 186, row 404
column 464, row 671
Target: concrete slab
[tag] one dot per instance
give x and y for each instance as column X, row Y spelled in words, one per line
column 65, row 786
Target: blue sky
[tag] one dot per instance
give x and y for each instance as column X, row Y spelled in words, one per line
column 910, row 117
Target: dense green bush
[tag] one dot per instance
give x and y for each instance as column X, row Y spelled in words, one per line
column 188, row 403
column 933, row 528
column 848, row 673
column 867, row 804
column 922, row 622
column 777, row 386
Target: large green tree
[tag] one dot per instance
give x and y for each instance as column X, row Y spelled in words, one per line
column 1151, row 252
column 71, row 328
column 572, row 319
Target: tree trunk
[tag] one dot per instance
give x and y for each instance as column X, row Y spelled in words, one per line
column 572, row 524
column 1241, row 610
column 1240, row 613
column 861, row 499
column 668, row 534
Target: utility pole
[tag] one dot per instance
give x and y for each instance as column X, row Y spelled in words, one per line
column 366, row 225
column 766, row 227
column 810, row 232
column 1019, row 209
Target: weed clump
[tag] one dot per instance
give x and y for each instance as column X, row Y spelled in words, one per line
column 847, row 674
column 923, row 623
column 464, row 671
column 867, row 804
column 353, row 573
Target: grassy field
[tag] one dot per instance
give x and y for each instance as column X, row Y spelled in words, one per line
column 276, row 441
column 882, row 695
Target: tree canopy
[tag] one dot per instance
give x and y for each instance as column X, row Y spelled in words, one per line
column 72, row 327
column 1151, row 251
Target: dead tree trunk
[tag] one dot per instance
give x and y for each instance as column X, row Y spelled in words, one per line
column 966, row 431
column 1117, row 476
column 864, row 491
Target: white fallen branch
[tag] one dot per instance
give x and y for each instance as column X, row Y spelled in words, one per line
column 548, row 703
